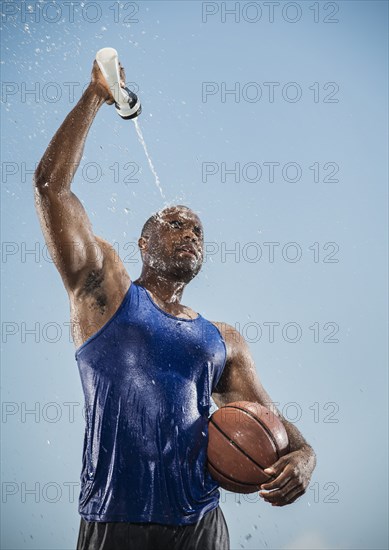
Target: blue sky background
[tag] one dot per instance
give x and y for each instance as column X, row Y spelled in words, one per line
column 335, row 391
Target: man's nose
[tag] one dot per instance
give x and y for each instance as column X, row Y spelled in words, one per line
column 190, row 234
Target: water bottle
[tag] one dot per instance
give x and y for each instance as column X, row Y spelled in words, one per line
column 127, row 103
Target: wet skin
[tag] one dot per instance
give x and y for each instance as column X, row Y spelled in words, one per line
column 97, row 281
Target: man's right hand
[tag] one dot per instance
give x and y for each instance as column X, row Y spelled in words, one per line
column 101, row 85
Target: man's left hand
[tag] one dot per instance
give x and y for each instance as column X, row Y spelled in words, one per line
column 292, row 473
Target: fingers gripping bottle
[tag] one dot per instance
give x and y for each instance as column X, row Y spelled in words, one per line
column 127, row 103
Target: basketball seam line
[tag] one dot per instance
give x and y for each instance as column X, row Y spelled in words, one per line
column 236, row 445
column 231, row 478
column 273, row 440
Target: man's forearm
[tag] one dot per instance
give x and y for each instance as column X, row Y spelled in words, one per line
column 58, row 165
column 297, row 441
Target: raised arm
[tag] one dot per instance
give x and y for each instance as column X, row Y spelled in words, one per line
column 239, row 382
column 75, row 250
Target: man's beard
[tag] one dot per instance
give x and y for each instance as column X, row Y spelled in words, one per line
column 178, row 269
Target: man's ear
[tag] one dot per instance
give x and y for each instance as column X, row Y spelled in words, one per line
column 142, row 243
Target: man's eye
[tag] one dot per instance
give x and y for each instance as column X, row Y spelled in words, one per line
column 175, row 223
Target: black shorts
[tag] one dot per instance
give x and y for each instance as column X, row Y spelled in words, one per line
column 210, row 533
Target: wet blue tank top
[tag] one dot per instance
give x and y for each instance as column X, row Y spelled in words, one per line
column 147, row 378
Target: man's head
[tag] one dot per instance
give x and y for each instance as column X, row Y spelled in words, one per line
column 171, row 243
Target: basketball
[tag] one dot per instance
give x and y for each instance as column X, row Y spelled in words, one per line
column 244, row 439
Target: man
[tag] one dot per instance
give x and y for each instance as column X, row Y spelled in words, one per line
column 149, row 366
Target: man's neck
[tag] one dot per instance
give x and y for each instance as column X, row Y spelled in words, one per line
column 166, row 290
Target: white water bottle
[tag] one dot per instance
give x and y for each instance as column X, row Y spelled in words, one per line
column 127, row 103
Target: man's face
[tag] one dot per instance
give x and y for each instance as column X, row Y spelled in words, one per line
column 175, row 245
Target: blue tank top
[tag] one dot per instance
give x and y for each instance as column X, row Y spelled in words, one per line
column 147, row 378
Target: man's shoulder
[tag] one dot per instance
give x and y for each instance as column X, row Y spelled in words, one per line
column 229, row 333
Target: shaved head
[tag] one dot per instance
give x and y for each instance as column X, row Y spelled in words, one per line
column 153, row 221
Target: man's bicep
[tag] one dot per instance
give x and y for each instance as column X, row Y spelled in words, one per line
column 69, row 235
column 239, row 380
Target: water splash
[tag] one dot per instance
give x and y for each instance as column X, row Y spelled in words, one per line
column 143, row 143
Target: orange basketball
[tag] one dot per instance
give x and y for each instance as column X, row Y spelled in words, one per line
column 244, row 439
